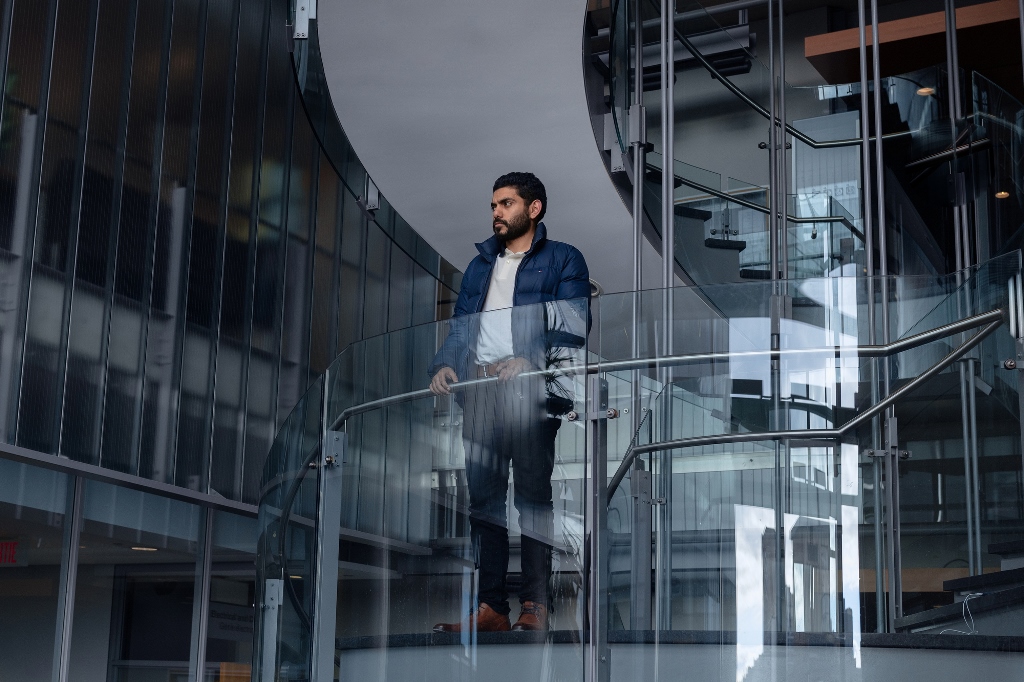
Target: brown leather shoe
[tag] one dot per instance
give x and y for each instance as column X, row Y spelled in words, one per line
column 485, row 619
column 534, row 616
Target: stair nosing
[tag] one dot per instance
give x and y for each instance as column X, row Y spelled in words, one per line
column 1011, row 547
column 992, row 601
column 984, row 580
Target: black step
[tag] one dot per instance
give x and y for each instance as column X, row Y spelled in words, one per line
column 691, row 212
column 717, row 243
column 1003, row 548
column 985, row 582
column 954, row 613
column 750, row 273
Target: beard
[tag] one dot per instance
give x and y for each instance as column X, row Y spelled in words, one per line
column 515, row 227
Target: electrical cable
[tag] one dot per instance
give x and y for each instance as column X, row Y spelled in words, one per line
column 966, row 611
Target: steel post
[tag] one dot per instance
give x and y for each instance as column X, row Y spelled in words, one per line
column 597, row 664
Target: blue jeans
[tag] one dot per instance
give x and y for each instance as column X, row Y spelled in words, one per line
column 507, row 423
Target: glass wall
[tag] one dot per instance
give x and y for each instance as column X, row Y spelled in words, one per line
column 101, row 581
column 34, row 526
column 186, row 242
column 185, row 245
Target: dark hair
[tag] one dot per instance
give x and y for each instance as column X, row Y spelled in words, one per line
column 527, row 186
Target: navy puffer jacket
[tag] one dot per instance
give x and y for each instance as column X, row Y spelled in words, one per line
column 550, row 271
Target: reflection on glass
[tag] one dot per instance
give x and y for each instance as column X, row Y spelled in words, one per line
column 755, row 605
column 423, row 479
column 33, row 514
column 136, row 581
column 229, row 648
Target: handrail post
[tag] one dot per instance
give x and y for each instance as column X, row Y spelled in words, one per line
column 328, row 530
column 598, row 665
column 891, row 462
column 640, row 547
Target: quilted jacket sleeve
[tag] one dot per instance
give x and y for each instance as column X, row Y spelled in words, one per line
column 454, row 347
column 575, row 281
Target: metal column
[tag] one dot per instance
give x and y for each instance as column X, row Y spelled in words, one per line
column 667, row 143
column 663, row 563
column 201, row 600
column 68, row 579
column 328, row 535
column 640, row 591
column 869, row 267
column 597, row 665
column 640, row 548
column 892, row 481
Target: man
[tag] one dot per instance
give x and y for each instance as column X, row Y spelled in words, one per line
column 513, row 418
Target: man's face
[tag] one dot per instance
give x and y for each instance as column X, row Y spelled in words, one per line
column 511, row 217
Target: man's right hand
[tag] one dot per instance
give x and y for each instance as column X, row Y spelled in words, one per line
column 439, row 384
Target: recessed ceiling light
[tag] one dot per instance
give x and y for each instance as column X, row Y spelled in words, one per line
column 144, row 549
column 1002, row 194
column 924, row 92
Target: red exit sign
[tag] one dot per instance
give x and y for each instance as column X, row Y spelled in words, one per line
column 9, row 552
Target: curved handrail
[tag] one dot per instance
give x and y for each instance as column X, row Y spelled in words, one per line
column 758, row 207
column 867, row 351
column 736, row 90
column 993, row 318
column 996, row 317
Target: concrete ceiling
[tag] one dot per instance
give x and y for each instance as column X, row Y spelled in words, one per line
column 440, row 98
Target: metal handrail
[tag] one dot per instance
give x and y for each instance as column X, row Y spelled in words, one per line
column 758, row 207
column 736, row 90
column 869, row 351
column 994, row 318
column 809, row 434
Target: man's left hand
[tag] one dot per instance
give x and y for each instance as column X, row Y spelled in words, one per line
column 511, row 368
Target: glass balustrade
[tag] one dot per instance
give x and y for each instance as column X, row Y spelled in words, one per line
column 813, row 474
column 389, row 492
column 721, row 228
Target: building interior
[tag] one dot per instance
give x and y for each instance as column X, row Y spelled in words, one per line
column 789, row 415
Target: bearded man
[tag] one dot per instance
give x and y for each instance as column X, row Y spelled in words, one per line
column 513, row 418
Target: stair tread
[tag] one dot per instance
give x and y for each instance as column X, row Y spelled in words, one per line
column 988, row 602
column 718, row 243
column 984, row 580
column 750, row 273
column 1011, row 547
column 691, row 212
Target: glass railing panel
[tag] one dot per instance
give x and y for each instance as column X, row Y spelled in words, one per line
column 750, row 486
column 962, row 460
column 722, row 228
column 808, row 501
column 999, row 194
column 620, row 72
column 286, row 564
column 446, row 499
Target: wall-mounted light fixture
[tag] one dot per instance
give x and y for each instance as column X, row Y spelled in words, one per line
column 925, row 92
column 1002, row 194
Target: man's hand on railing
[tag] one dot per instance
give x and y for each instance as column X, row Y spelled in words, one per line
column 513, row 367
column 439, row 384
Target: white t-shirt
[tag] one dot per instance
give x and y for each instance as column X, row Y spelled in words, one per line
column 495, row 340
